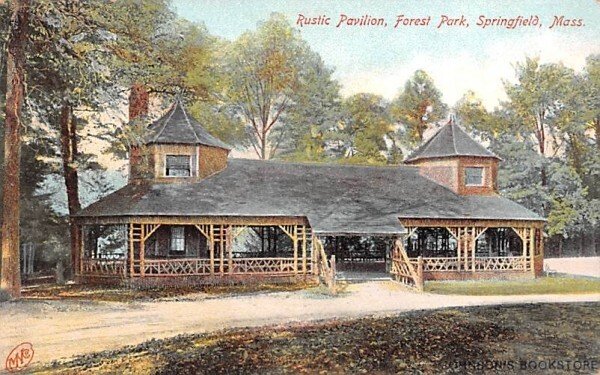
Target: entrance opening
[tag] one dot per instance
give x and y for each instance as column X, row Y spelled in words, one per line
column 360, row 257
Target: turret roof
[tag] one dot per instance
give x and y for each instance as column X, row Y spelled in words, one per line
column 450, row 140
column 178, row 126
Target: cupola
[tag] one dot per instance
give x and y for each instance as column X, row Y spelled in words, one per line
column 453, row 159
column 177, row 148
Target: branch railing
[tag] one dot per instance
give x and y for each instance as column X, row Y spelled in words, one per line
column 263, row 266
column 170, row 267
column 450, row 264
column 405, row 270
column 325, row 268
column 191, row 266
column 202, row 267
column 511, row 263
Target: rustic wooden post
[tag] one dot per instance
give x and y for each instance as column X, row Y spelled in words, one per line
column 221, row 251
column 304, row 249
column 473, row 244
column 331, row 276
column 532, row 249
column 295, row 242
column 458, row 249
column 142, row 250
column 313, row 256
column 523, row 236
column 228, row 245
column 211, row 248
column 420, row 282
column 131, row 249
column 81, row 241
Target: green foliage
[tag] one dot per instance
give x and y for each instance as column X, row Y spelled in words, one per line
column 365, row 127
column 220, row 122
column 546, row 138
column 419, row 104
column 475, row 118
column 316, row 113
column 567, row 214
column 540, row 100
column 543, row 285
column 278, row 86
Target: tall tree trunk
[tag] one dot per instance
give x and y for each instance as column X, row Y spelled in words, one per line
column 597, row 131
column 263, row 145
column 540, row 135
column 69, row 152
column 10, row 278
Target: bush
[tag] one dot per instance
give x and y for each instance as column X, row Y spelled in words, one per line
column 4, row 296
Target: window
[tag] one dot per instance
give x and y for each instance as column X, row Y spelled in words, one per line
column 177, row 239
column 474, row 176
column 178, row 166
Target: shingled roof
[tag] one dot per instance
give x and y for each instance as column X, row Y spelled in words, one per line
column 450, row 140
column 335, row 199
column 179, row 127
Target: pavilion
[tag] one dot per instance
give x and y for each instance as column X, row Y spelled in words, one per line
column 191, row 214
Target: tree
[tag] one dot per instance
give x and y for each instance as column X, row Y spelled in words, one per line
column 418, row 105
column 162, row 56
column 475, row 118
column 365, row 127
column 69, row 71
column 268, row 72
column 15, row 90
column 314, row 117
column 538, row 100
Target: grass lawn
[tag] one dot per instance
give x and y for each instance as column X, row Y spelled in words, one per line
column 123, row 294
column 448, row 341
column 541, row 285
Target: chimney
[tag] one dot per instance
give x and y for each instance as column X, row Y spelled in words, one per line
column 139, row 104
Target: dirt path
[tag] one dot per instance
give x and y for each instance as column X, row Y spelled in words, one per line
column 59, row 329
column 584, row 266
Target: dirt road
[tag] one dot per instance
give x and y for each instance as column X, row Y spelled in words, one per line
column 60, row 329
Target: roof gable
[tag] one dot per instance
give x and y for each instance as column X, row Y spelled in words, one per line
column 450, row 140
column 177, row 126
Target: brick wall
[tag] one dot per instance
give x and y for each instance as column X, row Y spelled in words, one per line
column 211, row 160
column 450, row 172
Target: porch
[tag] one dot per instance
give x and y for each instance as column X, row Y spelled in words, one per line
column 201, row 251
column 451, row 250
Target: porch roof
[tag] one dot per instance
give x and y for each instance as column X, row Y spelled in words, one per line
column 335, row 199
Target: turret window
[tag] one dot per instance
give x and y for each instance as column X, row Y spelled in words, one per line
column 178, row 166
column 474, row 176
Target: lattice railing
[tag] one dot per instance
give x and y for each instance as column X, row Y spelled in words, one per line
column 202, row 266
column 258, row 266
column 518, row 263
column 502, row 264
column 103, row 267
column 440, row 264
column 169, row 267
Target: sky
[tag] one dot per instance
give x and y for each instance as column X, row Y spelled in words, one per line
column 380, row 59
